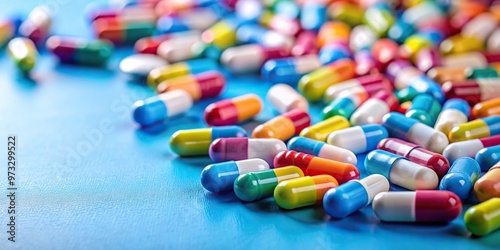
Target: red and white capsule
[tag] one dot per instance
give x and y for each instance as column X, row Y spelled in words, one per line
column 374, row 109
column 369, row 83
column 250, row 58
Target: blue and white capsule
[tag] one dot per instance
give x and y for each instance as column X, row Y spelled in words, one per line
column 313, row 15
column 160, row 107
column 196, row 19
column 461, row 177
column 254, row 33
column 423, row 84
column 488, row 157
column 358, row 139
column 350, row 197
column 455, row 111
column 289, row 70
column 322, row 150
column 220, row 177
column 332, row 52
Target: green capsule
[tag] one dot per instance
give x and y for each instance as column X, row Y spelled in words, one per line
column 23, row 52
column 481, row 73
column 483, row 218
column 137, row 30
column 80, row 51
column 379, row 17
column 405, row 95
column 348, row 13
column 424, row 108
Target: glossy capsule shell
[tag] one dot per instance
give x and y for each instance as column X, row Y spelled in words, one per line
column 488, row 157
column 23, row 52
column 350, row 197
column 400, row 171
column 428, row 58
column 227, row 149
column 333, row 31
column 345, row 104
column 322, row 129
column 139, row 65
column 196, row 142
column 160, row 107
column 346, row 12
column 379, row 17
column 232, row 111
column 304, row 44
column 120, row 31
column 487, row 186
column 483, row 218
column 474, row 90
column 486, row 108
column 284, row 98
column 250, row 57
column 195, row 19
column 181, row 48
column 80, row 51
column 284, row 126
column 222, row 34
column 249, row 33
column 254, row 186
column 220, row 177
column 149, row 45
column 478, row 128
column 430, row 206
column 312, row 165
column 322, row 150
column 366, row 63
column 289, row 70
column 461, row 177
column 416, row 154
column 371, row 84
column 469, row 148
column 373, row 110
column 160, row 74
column 424, row 108
column 455, row 112
column 312, row 16
column 358, row 139
column 304, row 191
column 407, row 129
column 37, row 25
column 7, row 31
column 199, row 86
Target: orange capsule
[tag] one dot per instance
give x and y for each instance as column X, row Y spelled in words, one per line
column 385, row 51
column 443, row 74
column 232, row 111
column 486, row 108
column 284, row 126
column 488, row 186
column 333, row 32
column 204, row 85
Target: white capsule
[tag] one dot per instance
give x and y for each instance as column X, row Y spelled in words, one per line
column 199, row 19
column 370, row 112
column 471, row 59
column 40, row 17
column 139, row 65
column 448, row 119
column 361, row 37
column 421, row 12
column 245, row 58
column 358, row 139
column 493, row 43
column 333, row 91
column 481, row 26
column 402, row 78
column 181, row 48
column 428, row 137
column 138, row 14
column 265, row 149
column 489, row 88
column 397, row 207
column 462, row 149
column 251, row 165
column 412, row 176
column 284, row 98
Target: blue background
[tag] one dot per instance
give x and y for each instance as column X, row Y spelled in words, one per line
column 88, row 178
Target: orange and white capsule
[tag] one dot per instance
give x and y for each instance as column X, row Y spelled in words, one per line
column 486, row 108
column 232, row 111
column 283, row 127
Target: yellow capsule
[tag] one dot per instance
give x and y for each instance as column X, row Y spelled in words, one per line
column 346, row 12
column 413, row 44
column 23, row 52
column 158, row 75
column 303, row 191
column 476, row 129
column 483, row 218
column 460, row 44
column 221, row 35
column 321, row 130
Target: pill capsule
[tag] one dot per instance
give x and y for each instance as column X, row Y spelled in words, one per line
column 413, row 131
column 158, row 75
column 420, row 206
column 149, row 45
column 385, row 51
column 222, row 34
column 362, row 38
column 473, row 91
column 400, row 71
column 428, row 58
column 374, row 109
column 332, row 32
column 304, row 44
column 199, row 86
column 289, row 70
column 483, row 218
column 132, row 13
column 23, row 52
column 350, row 197
column 250, row 57
column 486, row 187
column 358, row 139
column 455, row 112
column 478, row 128
column 303, row 191
column 416, row 154
column 486, row 108
column 232, row 111
column 284, row 98
column 461, row 177
column 322, row 150
column 400, row 171
column 220, row 177
column 196, row 19
column 312, row 165
column 346, row 12
column 284, row 126
column 471, row 59
column 366, row 63
column 312, row 15
column 284, row 25
column 80, row 51
column 424, row 108
column 314, row 84
column 345, row 103
column 176, row 7
column 7, row 31
column 480, row 27
column 226, row 149
column 472, row 73
column 400, row 31
column 254, row 186
column 379, row 17
column 469, row 148
column 196, row 142
column 120, row 31
column 250, row 33
column 321, row 130
column 181, row 48
column 139, row 65
column 159, row 107
column 488, row 157
column 371, row 84
column 37, row 25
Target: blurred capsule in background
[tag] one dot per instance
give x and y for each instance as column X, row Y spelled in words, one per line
column 196, row 19
column 254, row 33
column 24, row 53
column 373, row 110
column 160, row 74
column 227, row 149
column 312, row 15
column 37, row 25
column 149, row 45
column 379, row 17
column 250, row 58
column 181, row 48
column 7, row 31
column 473, row 91
column 289, row 70
column 425, row 109
column 160, row 107
column 304, row 44
column 80, row 51
column 139, row 65
column 284, row 98
column 369, row 84
column 200, row 86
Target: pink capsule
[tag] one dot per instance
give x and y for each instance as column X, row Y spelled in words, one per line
column 37, row 26
column 385, row 51
column 250, row 57
column 366, row 63
column 373, row 110
column 428, row 58
column 370, row 83
column 284, row 25
column 305, row 44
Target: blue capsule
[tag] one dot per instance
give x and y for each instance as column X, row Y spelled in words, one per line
column 289, row 70
column 488, row 157
column 313, row 15
column 220, row 177
column 334, row 51
column 358, row 139
column 400, row 31
column 160, row 107
column 423, row 84
column 322, row 150
column 461, row 177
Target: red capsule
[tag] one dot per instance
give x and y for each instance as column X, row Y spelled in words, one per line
column 284, row 25
column 149, row 45
column 428, row 58
column 385, row 51
column 200, row 86
column 366, row 63
column 473, row 91
column 305, row 44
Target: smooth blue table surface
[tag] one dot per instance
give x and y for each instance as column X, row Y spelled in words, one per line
column 88, row 178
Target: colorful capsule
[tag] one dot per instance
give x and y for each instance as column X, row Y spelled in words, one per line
column 256, row 34
column 400, row 31
column 385, row 51
column 222, row 34
column 420, row 206
column 413, row 131
column 379, row 17
column 289, row 70
column 366, row 63
column 362, row 38
column 400, row 171
column 304, row 44
column 455, row 112
column 473, row 91
column 196, row 142
column 346, row 12
column 428, row 58
column 284, row 126
column 478, row 128
column 284, row 98
column 232, row 111
column 487, row 187
column 80, row 51
column 314, row 84
column 200, row 86
column 176, row 7
column 131, row 13
column 37, row 26
column 160, row 107
column 461, row 177
column 322, row 129
column 345, row 103
column 312, row 165
column 120, row 31
column 483, row 218
column 371, row 84
column 139, row 65
column 469, row 148
column 416, row 154
column 333, row 31
column 254, row 186
column 322, row 150
column 303, row 191
column 486, row 108
column 350, row 197
column 334, row 51
column 196, row 19
column 227, row 149
column 312, row 15
column 149, row 45
column 373, row 110
column 358, row 139
column 488, row 157
column 160, row 74
column 284, row 25
column 220, row 177
column 490, row 72
column 181, row 48
column 424, row 108
column 399, row 71
column 23, row 52
column 472, row 59
column 250, row 57
column 7, row 31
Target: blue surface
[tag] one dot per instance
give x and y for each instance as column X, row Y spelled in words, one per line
column 90, row 179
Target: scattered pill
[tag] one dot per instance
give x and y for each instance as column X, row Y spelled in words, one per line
column 303, row 191
column 159, row 107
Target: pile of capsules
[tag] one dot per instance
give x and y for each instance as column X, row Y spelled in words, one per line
column 412, row 84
